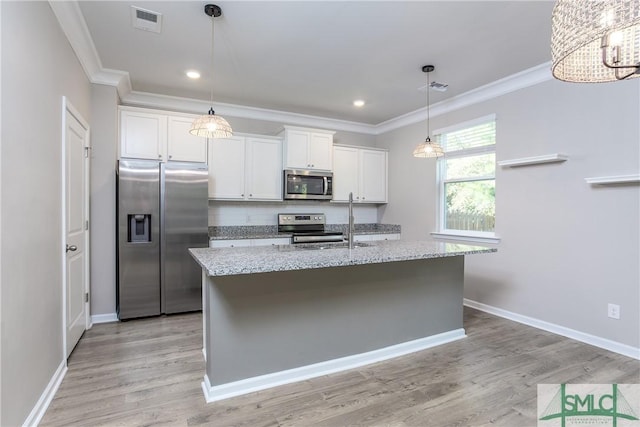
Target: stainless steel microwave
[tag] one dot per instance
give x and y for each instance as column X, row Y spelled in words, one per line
column 307, row 185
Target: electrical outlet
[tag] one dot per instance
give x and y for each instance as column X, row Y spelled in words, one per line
column 613, row 311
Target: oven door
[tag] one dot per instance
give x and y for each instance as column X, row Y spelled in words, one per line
column 310, row 185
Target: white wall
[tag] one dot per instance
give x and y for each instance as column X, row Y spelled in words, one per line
column 411, row 191
column 567, row 248
column 38, row 69
column 104, row 137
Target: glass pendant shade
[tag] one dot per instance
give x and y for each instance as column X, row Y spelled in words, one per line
column 428, row 149
column 595, row 40
column 211, row 126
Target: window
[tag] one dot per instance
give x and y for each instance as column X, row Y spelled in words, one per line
column 466, row 178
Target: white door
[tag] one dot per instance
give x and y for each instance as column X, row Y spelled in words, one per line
column 76, row 233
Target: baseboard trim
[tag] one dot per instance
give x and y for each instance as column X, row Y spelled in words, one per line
column 104, row 318
column 614, row 346
column 249, row 385
column 36, row 414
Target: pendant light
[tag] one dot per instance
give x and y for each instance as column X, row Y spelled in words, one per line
column 211, row 125
column 595, row 41
column 428, row 149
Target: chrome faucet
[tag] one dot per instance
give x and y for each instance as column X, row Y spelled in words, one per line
column 350, row 231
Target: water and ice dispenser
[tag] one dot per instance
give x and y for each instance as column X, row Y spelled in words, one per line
column 139, row 228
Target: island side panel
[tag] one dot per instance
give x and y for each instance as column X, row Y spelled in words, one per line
column 270, row 322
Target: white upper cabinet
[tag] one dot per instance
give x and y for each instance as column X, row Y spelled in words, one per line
column 345, row 173
column 181, row 145
column 226, row 168
column 307, row 148
column 146, row 134
column 143, row 135
column 360, row 171
column 373, row 176
column 264, row 168
column 245, row 168
column 321, row 151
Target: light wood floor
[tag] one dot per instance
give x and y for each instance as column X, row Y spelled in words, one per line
column 148, row 373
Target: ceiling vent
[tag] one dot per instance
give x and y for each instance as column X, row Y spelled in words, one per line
column 146, row 20
column 438, row 87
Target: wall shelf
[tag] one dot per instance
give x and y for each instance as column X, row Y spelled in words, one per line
column 537, row 160
column 612, row 180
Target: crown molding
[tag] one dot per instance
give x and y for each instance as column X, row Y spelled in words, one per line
column 75, row 28
column 530, row 77
column 117, row 78
column 189, row 105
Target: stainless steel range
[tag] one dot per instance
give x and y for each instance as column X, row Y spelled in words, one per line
column 307, row 228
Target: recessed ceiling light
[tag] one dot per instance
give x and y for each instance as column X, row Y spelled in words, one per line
column 358, row 103
column 192, row 74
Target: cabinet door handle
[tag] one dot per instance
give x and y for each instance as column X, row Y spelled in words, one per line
column 250, row 195
column 170, row 156
column 242, row 194
column 71, row 248
column 159, row 156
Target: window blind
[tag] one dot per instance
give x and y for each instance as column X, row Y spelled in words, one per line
column 469, row 139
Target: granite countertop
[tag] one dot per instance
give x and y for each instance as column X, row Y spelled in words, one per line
column 265, row 259
column 233, row 232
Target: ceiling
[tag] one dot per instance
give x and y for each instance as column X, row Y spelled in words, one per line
column 317, row 57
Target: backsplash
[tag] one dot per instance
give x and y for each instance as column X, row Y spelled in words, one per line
column 223, row 213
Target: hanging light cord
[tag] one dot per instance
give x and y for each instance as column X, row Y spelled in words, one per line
column 211, row 77
column 428, row 129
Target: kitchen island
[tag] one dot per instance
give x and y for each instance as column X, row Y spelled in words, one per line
column 278, row 314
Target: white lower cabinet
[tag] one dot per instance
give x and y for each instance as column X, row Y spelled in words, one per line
column 374, row 237
column 245, row 168
column 229, row 243
column 271, row 242
column 236, row 243
column 361, row 171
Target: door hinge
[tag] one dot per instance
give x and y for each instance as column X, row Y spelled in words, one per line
column 86, row 297
column 86, row 225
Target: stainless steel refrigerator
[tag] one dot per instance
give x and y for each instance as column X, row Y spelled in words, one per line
column 162, row 211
